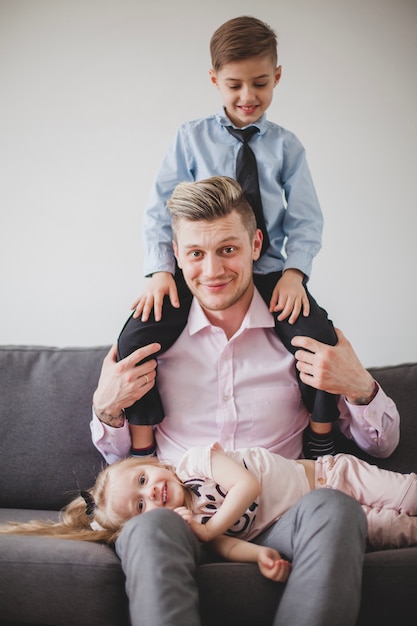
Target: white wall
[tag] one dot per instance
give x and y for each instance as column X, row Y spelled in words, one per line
column 91, row 93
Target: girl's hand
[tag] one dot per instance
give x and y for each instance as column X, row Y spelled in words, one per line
column 198, row 529
column 290, row 297
column 160, row 285
column 184, row 513
column 272, row 566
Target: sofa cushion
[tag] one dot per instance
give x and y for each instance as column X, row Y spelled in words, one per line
column 42, row 466
column 59, row 582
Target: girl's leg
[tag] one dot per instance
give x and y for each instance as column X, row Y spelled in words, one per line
column 369, row 484
column 389, row 529
column 136, row 334
column 323, row 535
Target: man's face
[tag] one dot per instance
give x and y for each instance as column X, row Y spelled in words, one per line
column 216, row 258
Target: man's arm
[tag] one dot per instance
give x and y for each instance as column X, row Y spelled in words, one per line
column 121, row 383
column 368, row 416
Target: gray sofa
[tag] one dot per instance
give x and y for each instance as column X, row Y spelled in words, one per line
column 46, row 456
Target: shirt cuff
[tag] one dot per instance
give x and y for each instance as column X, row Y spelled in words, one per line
column 299, row 261
column 370, row 412
column 112, row 443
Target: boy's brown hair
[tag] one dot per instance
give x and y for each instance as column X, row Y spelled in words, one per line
column 242, row 38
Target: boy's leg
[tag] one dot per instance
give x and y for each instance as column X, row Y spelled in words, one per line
column 318, row 438
column 160, row 555
column 323, row 535
column 136, row 334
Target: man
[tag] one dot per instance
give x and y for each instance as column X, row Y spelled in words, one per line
column 228, row 378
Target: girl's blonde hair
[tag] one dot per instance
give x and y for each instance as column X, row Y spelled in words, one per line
column 104, row 523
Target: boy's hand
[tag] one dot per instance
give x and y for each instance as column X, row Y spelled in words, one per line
column 272, row 566
column 290, row 297
column 160, row 285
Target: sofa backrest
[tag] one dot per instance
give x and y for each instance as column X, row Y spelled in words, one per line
column 400, row 383
column 46, row 453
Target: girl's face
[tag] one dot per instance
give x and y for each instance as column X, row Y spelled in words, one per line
column 133, row 490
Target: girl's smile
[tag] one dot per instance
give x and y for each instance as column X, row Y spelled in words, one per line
column 139, row 488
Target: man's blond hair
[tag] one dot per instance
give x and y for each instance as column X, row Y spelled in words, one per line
column 208, row 200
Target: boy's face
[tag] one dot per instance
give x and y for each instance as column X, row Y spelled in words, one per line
column 246, row 88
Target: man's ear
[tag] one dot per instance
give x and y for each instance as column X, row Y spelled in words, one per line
column 175, row 247
column 257, row 244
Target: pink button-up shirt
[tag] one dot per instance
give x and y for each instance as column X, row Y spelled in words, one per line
column 241, row 392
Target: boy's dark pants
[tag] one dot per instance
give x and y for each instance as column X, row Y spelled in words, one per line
column 135, row 334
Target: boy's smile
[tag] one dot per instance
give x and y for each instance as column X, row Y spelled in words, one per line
column 246, row 88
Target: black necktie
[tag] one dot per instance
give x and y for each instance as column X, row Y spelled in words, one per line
column 247, row 177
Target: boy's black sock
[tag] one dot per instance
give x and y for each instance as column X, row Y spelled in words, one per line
column 315, row 444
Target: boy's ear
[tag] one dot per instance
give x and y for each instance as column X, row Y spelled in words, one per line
column 213, row 77
column 277, row 75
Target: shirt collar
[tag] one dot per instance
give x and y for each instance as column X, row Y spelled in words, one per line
column 225, row 121
column 257, row 316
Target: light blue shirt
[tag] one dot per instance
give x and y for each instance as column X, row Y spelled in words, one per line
column 203, row 148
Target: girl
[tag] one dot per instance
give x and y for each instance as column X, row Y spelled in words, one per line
column 228, row 498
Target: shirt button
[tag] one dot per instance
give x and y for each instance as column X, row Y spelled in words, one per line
column 321, row 481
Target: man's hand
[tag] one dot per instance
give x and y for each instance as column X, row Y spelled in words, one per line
column 121, row 383
column 160, row 285
column 335, row 369
column 290, row 297
column 272, row 566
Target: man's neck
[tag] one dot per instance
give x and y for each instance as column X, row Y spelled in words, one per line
column 230, row 319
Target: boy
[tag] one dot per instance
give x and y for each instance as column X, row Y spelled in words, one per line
column 245, row 71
